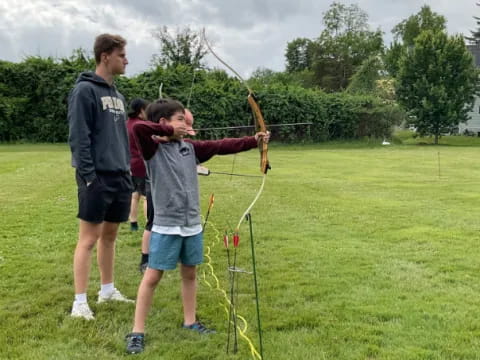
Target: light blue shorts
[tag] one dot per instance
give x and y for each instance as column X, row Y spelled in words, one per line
column 166, row 250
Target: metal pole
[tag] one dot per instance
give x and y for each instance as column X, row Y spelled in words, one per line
column 249, row 219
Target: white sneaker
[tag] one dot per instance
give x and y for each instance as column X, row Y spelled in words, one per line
column 114, row 295
column 82, row 310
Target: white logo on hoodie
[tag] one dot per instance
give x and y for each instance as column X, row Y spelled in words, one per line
column 113, row 104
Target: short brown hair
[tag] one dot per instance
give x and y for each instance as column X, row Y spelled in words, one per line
column 106, row 43
column 163, row 108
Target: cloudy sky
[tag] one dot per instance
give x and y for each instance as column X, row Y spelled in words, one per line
column 246, row 33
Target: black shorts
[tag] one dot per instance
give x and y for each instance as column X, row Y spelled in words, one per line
column 139, row 185
column 150, row 212
column 107, row 198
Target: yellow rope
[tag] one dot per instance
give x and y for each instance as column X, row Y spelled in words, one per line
column 241, row 330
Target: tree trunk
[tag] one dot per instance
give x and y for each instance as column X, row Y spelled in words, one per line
column 436, row 138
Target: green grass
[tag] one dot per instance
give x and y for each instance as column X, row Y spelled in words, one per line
column 408, row 137
column 363, row 252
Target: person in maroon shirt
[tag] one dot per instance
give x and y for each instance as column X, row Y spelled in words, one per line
column 136, row 113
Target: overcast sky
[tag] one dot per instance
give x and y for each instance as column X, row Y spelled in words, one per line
column 248, row 34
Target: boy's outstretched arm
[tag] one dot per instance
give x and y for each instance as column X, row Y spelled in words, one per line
column 143, row 132
column 206, row 149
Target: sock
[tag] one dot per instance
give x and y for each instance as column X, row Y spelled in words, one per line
column 137, row 334
column 106, row 289
column 81, row 298
column 144, row 258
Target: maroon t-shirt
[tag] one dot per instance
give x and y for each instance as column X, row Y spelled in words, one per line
column 137, row 165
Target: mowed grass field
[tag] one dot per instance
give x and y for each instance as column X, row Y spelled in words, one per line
column 363, row 252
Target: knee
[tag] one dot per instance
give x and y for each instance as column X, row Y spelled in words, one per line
column 86, row 244
column 108, row 239
column 152, row 283
column 151, row 279
column 109, row 234
column 189, row 275
column 87, row 247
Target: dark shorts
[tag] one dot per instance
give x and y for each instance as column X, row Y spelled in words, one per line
column 150, row 212
column 139, row 185
column 107, row 198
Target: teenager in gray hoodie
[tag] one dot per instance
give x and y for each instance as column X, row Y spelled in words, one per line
column 177, row 234
column 99, row 143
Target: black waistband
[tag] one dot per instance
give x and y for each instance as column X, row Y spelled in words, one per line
column 112, row 173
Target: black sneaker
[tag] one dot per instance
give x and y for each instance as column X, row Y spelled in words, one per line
column 143, row 267
column 135, row 343
column 200, row 328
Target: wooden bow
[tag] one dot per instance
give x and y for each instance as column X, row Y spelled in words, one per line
column 257, row 113
column 260, row 122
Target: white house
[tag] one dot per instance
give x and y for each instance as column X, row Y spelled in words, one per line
column 473, row 124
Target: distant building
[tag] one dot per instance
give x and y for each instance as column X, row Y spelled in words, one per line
column 473, row 124
column 475, row 50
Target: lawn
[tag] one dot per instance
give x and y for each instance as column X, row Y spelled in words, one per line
column 363, row 252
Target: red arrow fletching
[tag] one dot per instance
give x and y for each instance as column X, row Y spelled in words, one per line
column 225, row 240
column 236, row 239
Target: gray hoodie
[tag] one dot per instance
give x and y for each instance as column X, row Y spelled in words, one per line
column 172, row 169
column 97, row 127
column 173, row 172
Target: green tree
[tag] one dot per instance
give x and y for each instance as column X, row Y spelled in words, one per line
column 299, row 55
column 437, row 82
column 364, row 81
column 392, row 56
column 179, row 47
column 407, row 31
column 266, row 77
column 344, row 44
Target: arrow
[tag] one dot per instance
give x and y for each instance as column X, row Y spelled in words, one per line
column 251, row 126
column 210, row 205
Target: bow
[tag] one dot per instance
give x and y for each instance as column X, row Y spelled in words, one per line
column 264, row 167
column 260, row 123
column 257, row 113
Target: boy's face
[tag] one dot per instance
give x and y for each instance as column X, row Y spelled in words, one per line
column 176, row 119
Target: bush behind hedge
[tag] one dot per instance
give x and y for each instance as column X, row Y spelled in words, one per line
column 33, row 102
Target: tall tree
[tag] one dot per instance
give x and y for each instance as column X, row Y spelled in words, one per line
column 437, row 82
column 344, row 44
column 299, row 54
column 179, row 47
column 392, row 56
column 364, row 81
column 474, row 39
column 407, row 31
